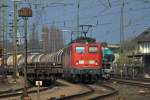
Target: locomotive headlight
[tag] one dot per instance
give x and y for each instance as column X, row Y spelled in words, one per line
column 96, row 63
column 81, row 61
column 91, row 62
column 77, row 63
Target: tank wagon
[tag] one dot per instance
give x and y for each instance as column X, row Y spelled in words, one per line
column 39, row 68
column 42, row 69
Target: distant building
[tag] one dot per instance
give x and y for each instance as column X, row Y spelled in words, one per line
column 143, row 52
column 34, row 41
column 115, row 49
column 143, row 41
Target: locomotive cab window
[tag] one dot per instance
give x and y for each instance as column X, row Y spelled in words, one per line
column 80, row 50
column 93, row 49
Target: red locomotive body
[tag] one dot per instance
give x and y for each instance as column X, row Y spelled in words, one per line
column 82, row 61
column 86, row 56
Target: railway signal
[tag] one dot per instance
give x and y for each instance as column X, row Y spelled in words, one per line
column 25, row 13
column 38, row 83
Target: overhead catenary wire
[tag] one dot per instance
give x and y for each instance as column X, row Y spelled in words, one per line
column 100, row 15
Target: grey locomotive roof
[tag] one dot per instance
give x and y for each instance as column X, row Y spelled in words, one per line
column 144, row 36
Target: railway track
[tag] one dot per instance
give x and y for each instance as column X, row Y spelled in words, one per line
column 129, row 89
column 10, row 92
column 18, row 92
column 83, row 92
column 57, row 91
column 95, row 92
column 118, row 76
column 131, row 82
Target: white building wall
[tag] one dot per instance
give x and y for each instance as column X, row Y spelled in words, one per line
column 144, row 47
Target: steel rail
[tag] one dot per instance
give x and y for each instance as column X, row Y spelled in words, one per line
column 19, row 92
column 11, row 90
column 134, row 83
column 90, row 92
column 112, row 93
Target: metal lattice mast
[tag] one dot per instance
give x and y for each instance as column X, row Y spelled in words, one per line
column 15, row 39
column 121, row 38
column 5, row 35
column 0, row 28
column 122, row 28
column 78, row 20
column 3, row 29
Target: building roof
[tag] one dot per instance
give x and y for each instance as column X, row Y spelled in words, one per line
column 117, row 46
column 144, row 36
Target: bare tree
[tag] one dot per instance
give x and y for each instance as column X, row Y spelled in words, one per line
column 129, row 47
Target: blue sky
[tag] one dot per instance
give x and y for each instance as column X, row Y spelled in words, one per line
column 105, row 13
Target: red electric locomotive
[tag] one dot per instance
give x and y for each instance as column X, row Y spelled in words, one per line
column 82, row 60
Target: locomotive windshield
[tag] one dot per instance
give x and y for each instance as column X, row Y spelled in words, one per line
column 80, row 49
column 93, row 49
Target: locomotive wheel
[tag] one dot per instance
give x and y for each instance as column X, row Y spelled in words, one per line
column 86, row 78
column 94, row 78
column 90, row 79
column 75, row 78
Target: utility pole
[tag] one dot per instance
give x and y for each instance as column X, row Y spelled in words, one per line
column 5, row 36
column 6, row 32
column 0, row 17
column 122, row 28
column 78, row 20
column 3, row 7
column 15, row 40
column 2, row 41
column 3, row 46
column 0, row 33
column 121, row 38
